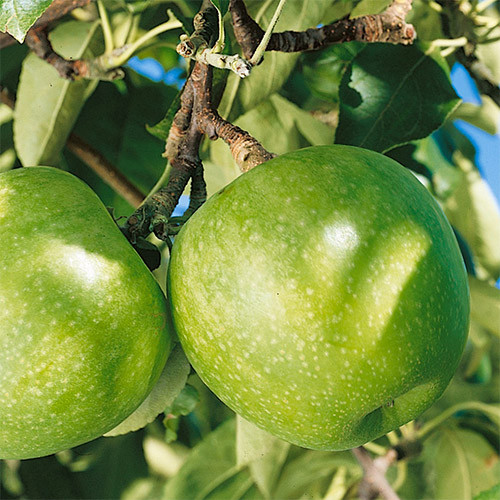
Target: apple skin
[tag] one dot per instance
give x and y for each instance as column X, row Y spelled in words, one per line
column 83, row 323
column 322, row 296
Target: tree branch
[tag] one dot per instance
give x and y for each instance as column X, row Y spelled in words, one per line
column 389, row 26
column 374, row 482
column 105, row 170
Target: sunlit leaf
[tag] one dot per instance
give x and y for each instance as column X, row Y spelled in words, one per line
column 17, row 16
column 491, row 494
column 485, row 117
column 306, row 470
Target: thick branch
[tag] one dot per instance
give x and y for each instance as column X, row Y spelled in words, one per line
column 374, row 482
column 389, row 26
column 182, row 151
column 246, row 150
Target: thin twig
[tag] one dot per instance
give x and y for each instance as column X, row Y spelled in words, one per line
column 94, row 160
column 105, row 170
column 374, row 482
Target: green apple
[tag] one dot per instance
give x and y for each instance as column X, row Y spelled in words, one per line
column 322, row 296
column 83, row 323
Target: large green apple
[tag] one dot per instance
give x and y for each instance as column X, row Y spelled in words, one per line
column 83, row 333
column 322, row 296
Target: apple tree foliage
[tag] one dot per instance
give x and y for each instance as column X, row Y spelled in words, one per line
column 183, row 442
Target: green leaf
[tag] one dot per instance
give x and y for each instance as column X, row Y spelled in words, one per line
column 184, row 404
column 106, row 467
column 308, row 471
column 171, row 382
column 445, row 176
column 474, row 211
column 47, row 105
column 492, row 494
column 211, row 470
column 263, row 453
column 323, row 69
column 375, row 112
column 243, row 95
column 17, row 16
column 459, row 464
column 12, row 58
column 485, row 304
column 485, row 117
column 222, row 6
column 369, row 7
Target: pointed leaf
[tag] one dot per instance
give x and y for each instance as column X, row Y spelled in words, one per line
column 17, row 16
column 171, row 382
column 47, row 105
column 374, row 110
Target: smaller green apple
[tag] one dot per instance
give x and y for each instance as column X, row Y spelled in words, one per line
column 83, row 323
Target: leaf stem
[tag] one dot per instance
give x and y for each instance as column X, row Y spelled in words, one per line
column 106, row 28
column 468, row 405
column 130, row 49
column 261, row 48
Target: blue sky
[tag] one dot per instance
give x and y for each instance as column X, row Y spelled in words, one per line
column 487, row 146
